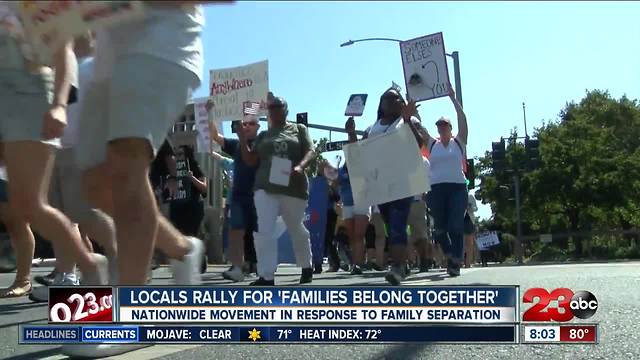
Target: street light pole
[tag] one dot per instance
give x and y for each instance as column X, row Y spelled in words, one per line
column 455, row 56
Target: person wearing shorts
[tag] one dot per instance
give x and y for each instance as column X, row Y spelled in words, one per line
column 355, row 219
column 32, row 119
column 420, row 238
column 470, row 232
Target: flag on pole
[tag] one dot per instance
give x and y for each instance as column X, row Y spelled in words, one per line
column 251, row 108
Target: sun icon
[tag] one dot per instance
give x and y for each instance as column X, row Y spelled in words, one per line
column 254, row 334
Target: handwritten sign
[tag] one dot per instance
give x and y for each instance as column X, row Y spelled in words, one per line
column 50, row 24
column 355, row 105
column 374, row 165
column 230, row 88
column 486, row 240
column 425, row 67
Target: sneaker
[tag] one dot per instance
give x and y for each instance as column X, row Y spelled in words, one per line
column 262, row 282
column 99, row 350
column 187, row 270
column 453, row 268
column 46, row 280
column 344, row 267
column 234, row 274
column 41, row 293
column 317, row 269
column 101, row 275
column 356, row 270
column 307, row 276
column 425, row 266
column 374, row 267
column 395, row 275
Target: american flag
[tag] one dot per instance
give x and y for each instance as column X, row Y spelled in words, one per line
column 251, row 108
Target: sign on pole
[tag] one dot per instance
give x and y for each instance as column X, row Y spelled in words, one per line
column 333, row 146
column 486, row 240
column 425, row 67
column 355, row 105
column 230, row 88
column 201, row 116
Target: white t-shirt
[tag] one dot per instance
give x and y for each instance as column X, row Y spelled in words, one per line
column 85, row 74
column 169, row 33
column 427, row 167
column 446, row 162
column 377, row 128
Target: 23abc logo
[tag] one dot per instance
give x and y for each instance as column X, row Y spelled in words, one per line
column 581, row 304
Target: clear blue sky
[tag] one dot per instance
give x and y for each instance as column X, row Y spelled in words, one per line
column 542, row 53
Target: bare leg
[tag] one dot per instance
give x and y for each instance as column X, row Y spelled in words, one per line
column 23, row 244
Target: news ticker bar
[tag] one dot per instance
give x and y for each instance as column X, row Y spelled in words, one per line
column 313, row 304
column 560, row 333
column 126, row 334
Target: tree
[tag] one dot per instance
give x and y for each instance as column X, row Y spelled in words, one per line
column 312, row 169
column 589, row 177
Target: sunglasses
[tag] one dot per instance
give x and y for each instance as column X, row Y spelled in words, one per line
column 276, row 106
column 250, row 124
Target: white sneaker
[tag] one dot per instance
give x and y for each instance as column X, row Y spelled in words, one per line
column 101, row 276
column 187, row 271
column 99, row 350
column 234, row 274
column 41, row 293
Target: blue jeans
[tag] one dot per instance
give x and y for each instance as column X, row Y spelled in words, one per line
column 448, row 203
column 396, row 215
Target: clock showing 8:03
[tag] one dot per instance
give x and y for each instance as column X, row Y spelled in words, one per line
column 80, row 304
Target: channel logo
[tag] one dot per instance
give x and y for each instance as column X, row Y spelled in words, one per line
column 581, row 304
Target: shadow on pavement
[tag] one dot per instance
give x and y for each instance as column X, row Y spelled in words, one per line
column 14, row 308
column 43, row 321
column 36, row 355
column 408, row 351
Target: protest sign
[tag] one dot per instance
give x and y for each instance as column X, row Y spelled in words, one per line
column 385, row 168
column 183, row 192
column 201, row 116
column 230, row 88
column 425, row 67
column 355, row 105
column 50, row 24
column 486, row 240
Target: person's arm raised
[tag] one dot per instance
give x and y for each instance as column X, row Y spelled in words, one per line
column 409, row 111
column 463, row 130
column 214, row 134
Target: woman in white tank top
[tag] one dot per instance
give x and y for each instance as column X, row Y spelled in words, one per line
column 448, row 196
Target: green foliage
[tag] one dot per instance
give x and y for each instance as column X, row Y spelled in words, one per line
column 589, row 177
column 312, row 169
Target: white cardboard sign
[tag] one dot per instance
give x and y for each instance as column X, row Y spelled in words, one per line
column 486, row 240
column 385, row 168
column 425, row 67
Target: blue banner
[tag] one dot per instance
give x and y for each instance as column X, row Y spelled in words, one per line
column 160, row 334
column 489, row 296
column 315, row 220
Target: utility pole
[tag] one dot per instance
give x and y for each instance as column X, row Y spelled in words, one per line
column 524, row 114
column 518, row 249
column 456, row 74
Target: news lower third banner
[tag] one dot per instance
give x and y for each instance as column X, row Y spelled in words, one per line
column 241, row 305
column 127, row 334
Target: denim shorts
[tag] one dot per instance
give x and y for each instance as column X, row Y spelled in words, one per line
column 142, row 99
column 243, row 214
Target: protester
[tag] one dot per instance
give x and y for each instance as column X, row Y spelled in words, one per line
column 65, row 192
column 393, row 112
column 355, row 219
column 448, row 196
column 327, row 172
column 23, row 243
column 33, row 102
column 381, row 243
column 420, row 238
column 186, row 209
column 470, row 231
column 282, row 154
column 243, row 218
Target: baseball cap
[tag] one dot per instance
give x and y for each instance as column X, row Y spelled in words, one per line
column 444, row 120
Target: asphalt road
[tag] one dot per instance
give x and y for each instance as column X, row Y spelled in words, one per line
column 616, row 286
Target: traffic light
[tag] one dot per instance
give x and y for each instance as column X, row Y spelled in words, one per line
column 532, row 148
column 498, row 154
column 471, row 173
column 301, row 118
